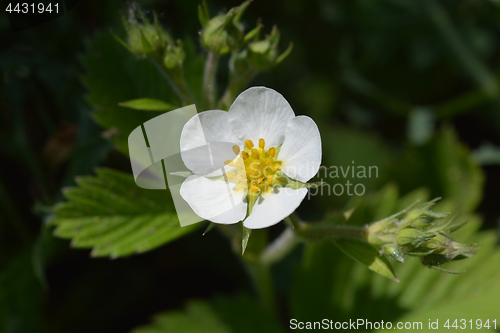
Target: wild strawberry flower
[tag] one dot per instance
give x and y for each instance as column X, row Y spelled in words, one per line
column 250, row 163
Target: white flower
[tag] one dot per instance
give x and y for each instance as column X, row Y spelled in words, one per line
column 244, row 160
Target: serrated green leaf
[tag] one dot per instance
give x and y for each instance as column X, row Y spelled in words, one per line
column 369, row 256
column 346, row 288
column 112, row 215
column 148, row 104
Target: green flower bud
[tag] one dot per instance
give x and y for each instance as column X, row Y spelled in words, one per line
column 174, row 56
column 417, row 231
column 144, row 38
column 263, row 54
column 223, row 33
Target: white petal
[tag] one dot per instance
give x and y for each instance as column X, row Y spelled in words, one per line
column 260, row 112
column 273, row 207
column 301, row 151
column 207, row 141
column 214, row 200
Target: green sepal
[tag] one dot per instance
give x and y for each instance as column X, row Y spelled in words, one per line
column 285, row 54
column 148, row 48
column 210, row 227
column 148, row 104
column 121, row 41
column 289, row 221
column 244, row 238
column 252, row 33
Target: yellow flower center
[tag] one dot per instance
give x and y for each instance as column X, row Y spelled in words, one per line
column 254, row 168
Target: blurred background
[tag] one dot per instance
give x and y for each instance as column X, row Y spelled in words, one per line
column 410, row 87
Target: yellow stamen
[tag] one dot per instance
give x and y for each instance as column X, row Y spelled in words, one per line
column 262, row 143
column 230, row 175
column 236, row 149
column 229, row 162
column 254, row 188
column 258, row 168
column 255, row 153
column 239, row 164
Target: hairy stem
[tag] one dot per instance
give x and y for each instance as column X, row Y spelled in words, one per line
column 321, row 232
column 234, row 87
column 209, row 84
column 313, row 232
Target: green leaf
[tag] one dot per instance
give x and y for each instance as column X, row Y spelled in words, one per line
column 351, row 156
column 115, row 75
column 148, row 104
column 222, row 315
column 347, row 289
column 369, row 256
column 446, row 167
column 112, row 215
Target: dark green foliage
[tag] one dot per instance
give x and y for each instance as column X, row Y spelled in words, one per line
column 115, row 76
column 238, row 314
column 410, row 87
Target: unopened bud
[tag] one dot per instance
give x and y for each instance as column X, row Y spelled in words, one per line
column 223, row 33
column 418, row 231
column 174, row 56
column 145, row 38
column 263, row 54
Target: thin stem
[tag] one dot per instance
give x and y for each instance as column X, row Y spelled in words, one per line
column 209, row 86
column 180, row 89
column 234, row 87
column 467, row 102
column 314, row 232
column 263, row 282
column 476, row 69
column 323, row 231
column 259, row 272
